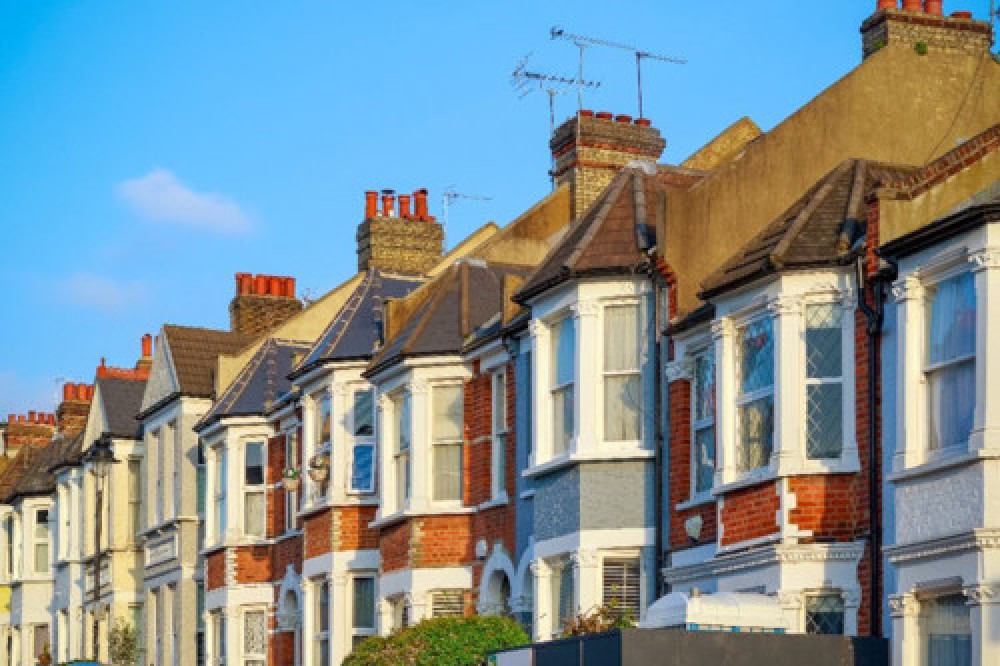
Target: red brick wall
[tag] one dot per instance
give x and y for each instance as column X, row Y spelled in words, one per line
column 215, row 570
column 477, row 458
column 252, row 564
column 285, row 552
column 833, row 507
column 679, row 470
column 350, row 529
column 281, row 650
column 427, row 541
column 750, row 513
column 394, row 545
column 317, row 534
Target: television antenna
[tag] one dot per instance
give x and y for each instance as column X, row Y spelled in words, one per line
column 583, row 42
column 450, row 195
column 552, row 84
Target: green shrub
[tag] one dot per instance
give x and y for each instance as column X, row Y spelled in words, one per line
column 446, row 641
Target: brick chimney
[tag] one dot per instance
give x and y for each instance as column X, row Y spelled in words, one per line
column 262, row 302
column 31, row 429
column 588, row 150
column 71, row 414
column 921, row 26
column 399, row 242
column 142, row 366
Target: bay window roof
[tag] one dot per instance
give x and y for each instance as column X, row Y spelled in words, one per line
column 822, row 228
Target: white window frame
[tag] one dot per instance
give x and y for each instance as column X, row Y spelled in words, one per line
column 567, row 388
column 402, row 456
column 134, row 500
column 627, row 554
column 319, row 490
column 846, row 395
column 606, row 374
column 500, row 430
column 218, row 621
column 293, row 454
column 743, row 399
column 703, row 350
column 321, row 635
column 219, row 488
column 10, row 543
column 364, row 632
column 249, row 658
column 362, row 442
column 37, row 541
column 158, row 505
column 447, row 442
column 254, row 489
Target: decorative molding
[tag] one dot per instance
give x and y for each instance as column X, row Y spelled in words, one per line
column 418, row 387
column 682, row 368
column 988, row 257
column 726, row 563
column 339, row 389
column 722, row 328
column 786, row 305
column 538, row 329
column 540, row 568
column 384, row 402
column 903, row 605
column 908, row 288
column 588, row 308
column 978, row 539
column 982, row 593
column 790, row 600
column 584, row 559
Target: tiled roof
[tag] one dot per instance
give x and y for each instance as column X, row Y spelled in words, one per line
column 356, row 330
column 821, row 228
column 30, row 474
column 604, row 240
column 194, row 352
column 121, row 400
column 261, row 381
column 460, row 300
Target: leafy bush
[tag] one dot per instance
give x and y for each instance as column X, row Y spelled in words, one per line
column 123, row 642
column 445, row 641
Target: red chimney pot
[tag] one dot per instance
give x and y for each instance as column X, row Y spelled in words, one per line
column 52, row 419
column 290, row 287
column 911, row 5
column 31, row 416
column 11, row 418
column 147, row 345
column 932, row 7
column 68, row 391
column 276, row 287
column 962, row 15
column 623, row 118
column 404, row 206
column 586, row 113
column 604, row 115
column 243, row 283
column 643, row 122
column 420, row 205
column 388, row 203
column 259, row 285
column 887, row 4
column 371, row 204
column 20, row 418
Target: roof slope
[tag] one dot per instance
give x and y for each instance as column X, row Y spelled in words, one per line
column 458, row 302
column 194, row 352
column 604, row 240
column 121, row 400
column 259, row 384
column 30, row 475
column 821, row 228
column 356, row 331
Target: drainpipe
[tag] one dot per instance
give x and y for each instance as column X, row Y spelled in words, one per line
column 657, row 284
column 875, row 314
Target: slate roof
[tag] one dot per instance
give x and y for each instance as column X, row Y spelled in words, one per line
column 29, row 475
column 261, row 381
column 604, row 240
column 463, row 298
column 121, row 400
column 356, row 331
column 194, row 352
column 822, row 228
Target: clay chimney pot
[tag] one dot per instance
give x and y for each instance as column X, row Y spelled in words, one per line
column 962, row 15
column 623, row 118
column 371, row 204
column 11, row 418
column 404, row 206
column 586, row 113
column 67, row 391
column 604, row 115
column 147, row 345
column 275, row 287
column 932, row 7
column 52, row 419
column 290, row 287
column 887, row 4
column 911, row 6
column 31, row 417
column 20, row 418
column 388, row 203
column 260, row 285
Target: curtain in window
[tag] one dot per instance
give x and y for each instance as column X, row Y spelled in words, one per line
column 756, row 434
column 447, row 434
column 946, row 631
column 622, row 392
column 951, row 355
column 323, row 422
column 755, row 368
column 255, row 516
column 364, row 603
column 255, row 636
column 41, row 638
column 563, row 373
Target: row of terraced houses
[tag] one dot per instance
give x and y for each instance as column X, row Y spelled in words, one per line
column 756, row 389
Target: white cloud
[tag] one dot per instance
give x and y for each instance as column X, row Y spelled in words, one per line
column 93, row 291
column 160, row 196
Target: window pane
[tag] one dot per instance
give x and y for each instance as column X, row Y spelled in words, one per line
column 363, row 414
column 704, row 447
column 952, row 404
column 756, row 352
column 362, row 467
column 704, row 382
column 756, row 434
column 403, row 478
column 401, row 403
column 323, row 606
column 447, row 401
column 825, row 614
column 41, row 558
column 364, row 603
column 448, row 472
column 220, row 472
column 500, row 461
column 946, row 631
column 562, row 419
column 255, row 633
column 255, row 514
column 621, row 407
column 953, row 318
column 823, row 341
column 564, row 596
column 500, row 403
column 621, row 338
column 42, row 524
column 254, row 472
column 620, row 588
column 323, row 422
column 824, row 420
column 565, row 351
column 447, row 603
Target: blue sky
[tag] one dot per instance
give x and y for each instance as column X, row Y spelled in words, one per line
column 150, row 150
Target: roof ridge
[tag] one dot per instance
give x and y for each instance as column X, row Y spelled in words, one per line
column 777, row 255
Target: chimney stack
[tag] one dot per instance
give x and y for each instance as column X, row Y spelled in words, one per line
column 923, row 22
column 386, row 243
column 262, row 302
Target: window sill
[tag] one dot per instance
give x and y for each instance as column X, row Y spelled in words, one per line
column 499, row 500
column 431, row 510
column 942, row 462
column 747, row 480
column 565, row 459
column 700, row 499
column 527, row 494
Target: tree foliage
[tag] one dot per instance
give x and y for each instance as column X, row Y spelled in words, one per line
column 123, row 643
column 446, row 641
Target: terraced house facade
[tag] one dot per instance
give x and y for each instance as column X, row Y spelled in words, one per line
column 752, row 390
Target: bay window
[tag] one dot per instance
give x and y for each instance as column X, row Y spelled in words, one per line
column 945, row 631
column 134, row 499
column 499, row 431
column 755, row 394
column 563, row 367
column 219, row 498
column 363, row 609
column 255, row 638
column 401, row 412
column 950, row 367
column 254, row 497
column 824, row 381
column 41, row 539
column 622, row 387
column 703, row 422
column 322, row 623
column 363, row 452
column 446, row 434
column 292, row 462
column 824, row 614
